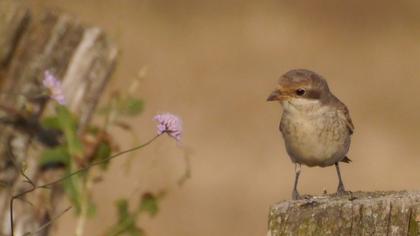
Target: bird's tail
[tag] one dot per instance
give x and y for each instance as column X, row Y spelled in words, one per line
column 346, row 160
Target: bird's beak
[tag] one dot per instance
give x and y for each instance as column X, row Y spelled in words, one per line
column 274, row 96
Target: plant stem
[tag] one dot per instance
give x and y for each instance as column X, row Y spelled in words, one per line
column 81, row 221
column 98, row 163
column 54, row 182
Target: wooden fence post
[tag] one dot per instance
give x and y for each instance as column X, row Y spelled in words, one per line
column 82, row 57
column 360, row 213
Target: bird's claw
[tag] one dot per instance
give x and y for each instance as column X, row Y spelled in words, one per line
column 296, row 195
column 341, row 191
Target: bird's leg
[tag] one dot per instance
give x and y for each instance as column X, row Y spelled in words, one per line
column 340, row 189
column 295, row 194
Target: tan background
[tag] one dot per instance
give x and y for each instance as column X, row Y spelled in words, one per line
column 214, row 62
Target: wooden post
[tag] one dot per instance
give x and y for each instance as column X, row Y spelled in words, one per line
column 360, row 213
column 82, row 57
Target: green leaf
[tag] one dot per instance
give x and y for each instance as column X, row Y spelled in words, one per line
column 51, row 122
column 149, row 204
column 103, row 152
column 91, row 210
column 68, row 125
column 126, row 224
column 123, row 105
column 93, row 129
column 122, row 207
column 57, row 155
column 71, row 187
column 135, row 231
column 132, row 106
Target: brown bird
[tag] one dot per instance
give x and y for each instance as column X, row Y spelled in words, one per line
column 316, row 126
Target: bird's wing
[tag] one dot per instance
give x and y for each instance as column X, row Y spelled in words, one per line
column 344, row 113
column 346, row 116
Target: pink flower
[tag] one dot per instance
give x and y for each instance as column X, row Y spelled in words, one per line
column 170, row 124
column 54, row 87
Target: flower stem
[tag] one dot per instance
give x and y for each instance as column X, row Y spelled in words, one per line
column 98, row 163
column 81, row 223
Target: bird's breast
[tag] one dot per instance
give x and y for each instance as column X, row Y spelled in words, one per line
column 316, row 138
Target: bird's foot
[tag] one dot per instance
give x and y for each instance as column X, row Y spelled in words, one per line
column 341, row 191
column 295, row 195
column 306, row 197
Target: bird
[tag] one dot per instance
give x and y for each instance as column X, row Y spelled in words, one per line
column 315, row 125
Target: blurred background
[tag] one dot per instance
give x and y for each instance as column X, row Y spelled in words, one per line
column 214, row 63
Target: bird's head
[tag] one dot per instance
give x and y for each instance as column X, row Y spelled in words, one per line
column 300, row 87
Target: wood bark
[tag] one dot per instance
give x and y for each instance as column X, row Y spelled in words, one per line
column 360, row 213
column 82, row 57
column 14, row 17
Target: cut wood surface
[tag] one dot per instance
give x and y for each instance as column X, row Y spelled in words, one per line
column 359, row 213
column 79, row 55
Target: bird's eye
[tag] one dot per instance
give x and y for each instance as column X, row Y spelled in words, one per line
column 300, row 92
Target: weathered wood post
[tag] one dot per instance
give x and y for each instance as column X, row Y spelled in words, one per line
column 360, row 213
column 31, row 43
